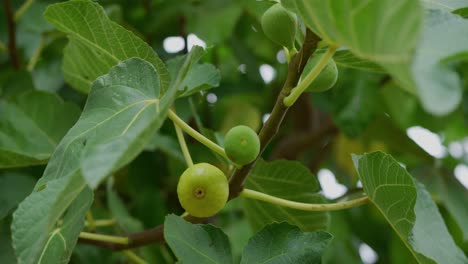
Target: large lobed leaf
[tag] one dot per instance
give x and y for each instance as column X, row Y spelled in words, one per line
column 31, row 125
column 288, row 180
column 397, row 35
column 97, row 43
column 408, row 208
column 284, row 243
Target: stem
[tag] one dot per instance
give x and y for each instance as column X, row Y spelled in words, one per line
column 183, row 145
column 302, row 86
column 134, row 257
column 12, row 49
column 105, row 238
column 272, row 126
column 196, row 135
column 103, row 222
column 20, row 12
column 246, row 193
column 90, row 220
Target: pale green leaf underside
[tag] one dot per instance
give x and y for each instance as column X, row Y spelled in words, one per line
column 383, row 31
column 31, row 125
column 288, row 180
column 97, row 43
column 408, row 208
column 282, row 243
column 438, row 85
column 196, row 243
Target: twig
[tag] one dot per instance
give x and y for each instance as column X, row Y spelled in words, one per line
column 20, row 12
column 12, row 49
column 271, row 127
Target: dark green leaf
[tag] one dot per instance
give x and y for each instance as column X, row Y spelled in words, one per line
column 288, row 180
column 284, row 243
column 97, row 43
column 14, row 187
column 196, row 243
column 355, row 101
column 31, row 126
column 408, row 208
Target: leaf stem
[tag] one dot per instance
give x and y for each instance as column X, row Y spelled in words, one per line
column 25, row 6
column 134, row 257
column 90, row 221
column 183, row 145
column 247, row 193
column 105, row 238
column 196, row 135
column 102, row 222
column 302, row 86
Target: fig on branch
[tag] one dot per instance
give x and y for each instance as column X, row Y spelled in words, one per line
column 203, row 190
column 325, row 80
column 280, row 25
column 242, row 145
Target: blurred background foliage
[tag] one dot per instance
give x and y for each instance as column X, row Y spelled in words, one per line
column 364, row 112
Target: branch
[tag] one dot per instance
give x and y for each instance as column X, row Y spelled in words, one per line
column 271, row 127
column 236, row 184
column 12, row 49
column 149, row 236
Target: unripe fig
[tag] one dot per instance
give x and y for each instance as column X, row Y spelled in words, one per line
column 327, row 77
column 280, row 25
column 203, row 190
column 242, row 145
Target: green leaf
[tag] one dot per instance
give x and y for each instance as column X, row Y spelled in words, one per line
column 97, row 44
column 200, row 77
column 438, row 85
column 452, row 194
column 447, row 5
column 31, row 125
column 14, row 187
column 196, row 243
column 288, row 180
column 370, row 29
column 284, row 243
column 346, row 59
column 408, row 208
column 123, row 110
column 37, row 237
